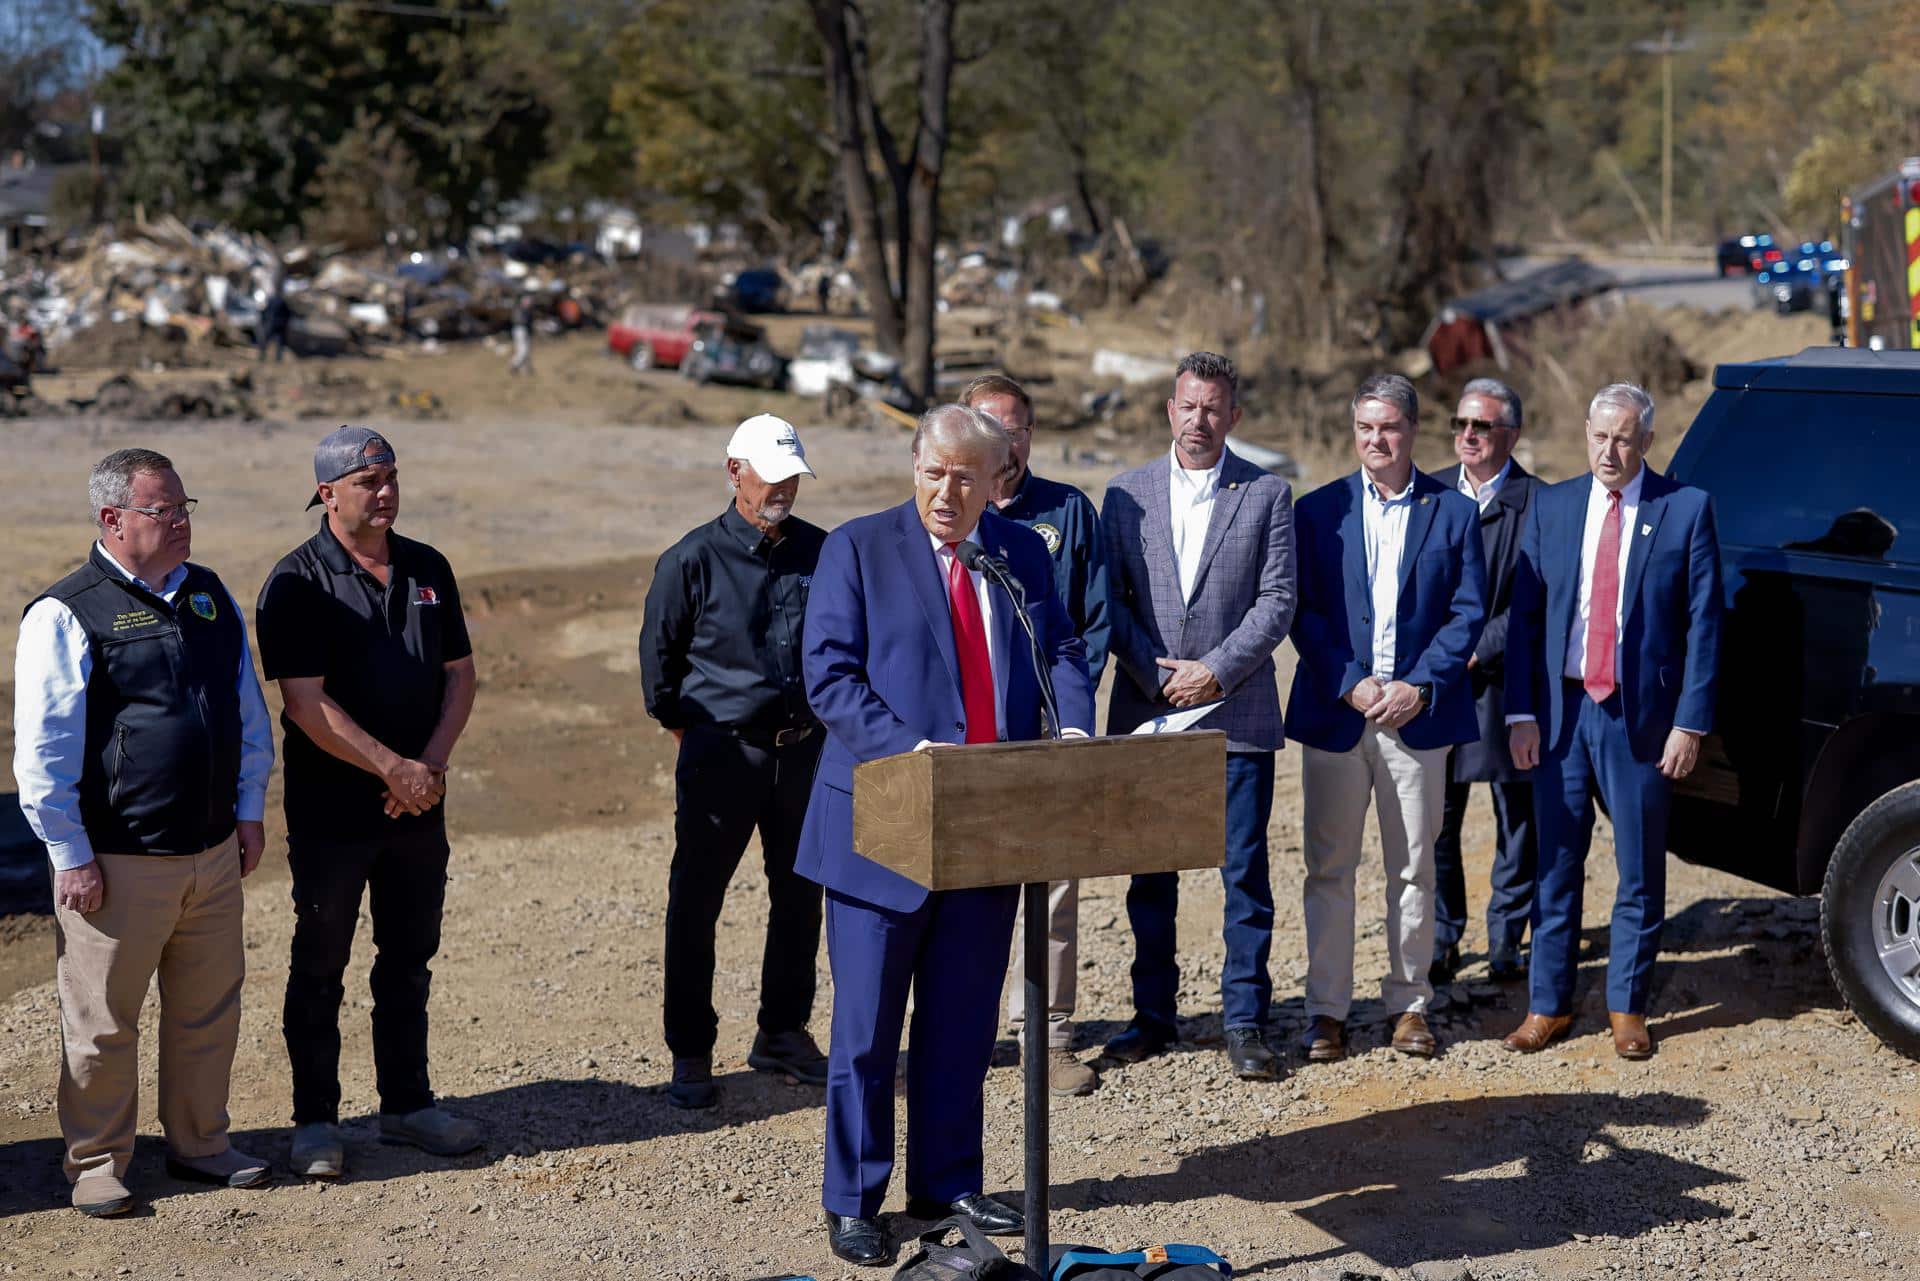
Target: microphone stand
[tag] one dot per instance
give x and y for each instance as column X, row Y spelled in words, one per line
column 1033, row 1050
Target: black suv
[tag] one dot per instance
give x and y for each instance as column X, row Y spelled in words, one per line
column 1809, row 783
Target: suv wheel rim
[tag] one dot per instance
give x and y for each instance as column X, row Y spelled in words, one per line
column 1896, row 923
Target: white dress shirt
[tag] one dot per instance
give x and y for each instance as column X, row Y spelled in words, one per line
column 50, row 672
column 1597, row 503
column 1191, row 494
column 943, row 556
column 1483, row 494
column 1384, row 520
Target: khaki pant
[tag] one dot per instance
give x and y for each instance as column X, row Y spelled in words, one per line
column 1408, row 788
column 178, row 917
column 1063, row 946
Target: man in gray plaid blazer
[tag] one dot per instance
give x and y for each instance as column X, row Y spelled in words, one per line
column 1201, row 575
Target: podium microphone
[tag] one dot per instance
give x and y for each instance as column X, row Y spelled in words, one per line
column 976, row 558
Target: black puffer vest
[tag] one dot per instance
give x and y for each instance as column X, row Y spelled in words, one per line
column 161, row 766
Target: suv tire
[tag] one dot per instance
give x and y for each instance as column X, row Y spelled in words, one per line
column 1871, row 900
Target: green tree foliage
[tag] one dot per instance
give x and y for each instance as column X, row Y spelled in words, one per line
column 232, row 109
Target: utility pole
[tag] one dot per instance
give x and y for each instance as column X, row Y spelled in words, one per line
column 1666, row 47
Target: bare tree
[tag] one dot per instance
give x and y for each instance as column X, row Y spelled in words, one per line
column 901, row 297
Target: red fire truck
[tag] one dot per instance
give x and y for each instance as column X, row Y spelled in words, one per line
column 1882, row 222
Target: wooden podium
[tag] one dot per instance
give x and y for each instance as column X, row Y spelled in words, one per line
column 957, row 817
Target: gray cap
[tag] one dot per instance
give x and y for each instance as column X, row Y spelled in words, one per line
column 344, row 452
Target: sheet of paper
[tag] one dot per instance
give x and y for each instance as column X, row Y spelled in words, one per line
column 1174, row 722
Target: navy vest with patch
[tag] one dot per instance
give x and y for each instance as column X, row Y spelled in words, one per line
column 161, row 765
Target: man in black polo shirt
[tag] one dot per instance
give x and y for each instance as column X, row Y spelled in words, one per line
column 363, row 630
column 720, row 657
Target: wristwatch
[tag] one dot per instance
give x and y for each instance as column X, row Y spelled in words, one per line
column 1426, row 694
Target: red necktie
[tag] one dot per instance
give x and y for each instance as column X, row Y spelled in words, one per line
column 970, row 643
column 1603, row 605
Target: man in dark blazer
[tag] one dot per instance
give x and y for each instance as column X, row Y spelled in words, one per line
column 1200, row 570
column 908, row 649
column 1612, row 655
column 1485, row 427
column 1392, row 598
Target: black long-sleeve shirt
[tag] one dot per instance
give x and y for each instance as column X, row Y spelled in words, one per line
column 720, row 643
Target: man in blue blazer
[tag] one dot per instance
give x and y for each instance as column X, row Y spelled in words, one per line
column 1611, row 659
column 907, row 649
column 1392, row 600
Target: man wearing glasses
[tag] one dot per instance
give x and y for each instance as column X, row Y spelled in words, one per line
column 364, row 632
column 1485, row 427
column 142, row 748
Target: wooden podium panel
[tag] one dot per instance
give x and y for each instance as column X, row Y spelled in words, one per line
column 952, row 818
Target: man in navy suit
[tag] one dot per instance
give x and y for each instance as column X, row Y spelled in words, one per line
column 907, row 649
column 1392, row 600
column 1613, row 648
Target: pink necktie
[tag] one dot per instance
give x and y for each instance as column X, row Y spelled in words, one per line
column 1603, row 605
column 970, row 643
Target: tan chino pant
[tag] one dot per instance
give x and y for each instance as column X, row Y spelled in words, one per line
column 1063, row 938
column 1407, row 788
column 178, row 918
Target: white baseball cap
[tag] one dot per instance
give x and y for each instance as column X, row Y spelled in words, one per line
column 772, row 446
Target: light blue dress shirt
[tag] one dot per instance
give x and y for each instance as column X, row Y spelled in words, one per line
column 50, row 671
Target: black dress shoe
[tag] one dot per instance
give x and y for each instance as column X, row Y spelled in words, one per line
column 1252, row 1059
column 862, row 1242
column 1445, row 965
column 793, row 1053
column 1136, row 1043
column 1506, row 967
column 992, row 1217
column 692, row 1086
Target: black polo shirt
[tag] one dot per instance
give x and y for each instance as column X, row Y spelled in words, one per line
column 382, row 651
column 721, row 640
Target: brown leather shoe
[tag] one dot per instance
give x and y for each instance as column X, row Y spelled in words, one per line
column 1411, row 1035
column 1537, row 1032
column 1631, row 1040
column 1325, row 1040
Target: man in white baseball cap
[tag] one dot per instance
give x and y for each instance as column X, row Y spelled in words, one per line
column 720, row 661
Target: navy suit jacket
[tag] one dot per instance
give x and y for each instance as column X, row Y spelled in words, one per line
column 1442, row 607
column 1669, row 645
column 882, row 674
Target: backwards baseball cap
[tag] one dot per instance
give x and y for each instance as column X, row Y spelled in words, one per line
column 772, row 446
column 344, row 452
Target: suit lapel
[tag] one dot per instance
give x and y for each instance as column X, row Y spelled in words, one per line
column 922, row 569
column 1156, row 530
column 993, row 538
column 1353, row 546
column 1419, row 521
column 1653, row 505
column 1226, row 504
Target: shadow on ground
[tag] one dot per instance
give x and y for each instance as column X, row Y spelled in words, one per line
column 1471, row 1178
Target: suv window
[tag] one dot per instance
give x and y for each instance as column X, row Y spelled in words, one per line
column 1819, row 473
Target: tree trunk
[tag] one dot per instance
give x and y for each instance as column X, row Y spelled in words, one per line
column 856, row 181
column 923, row 195
column 1305, row 73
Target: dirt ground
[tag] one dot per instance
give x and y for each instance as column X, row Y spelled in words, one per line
column 1770, row 1137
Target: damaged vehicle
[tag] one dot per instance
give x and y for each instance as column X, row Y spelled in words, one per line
column 734, row 351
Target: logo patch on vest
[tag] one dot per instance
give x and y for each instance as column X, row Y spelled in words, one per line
column 202, row 604
column 134, row 619
column 428, row 596
column 1050, row 536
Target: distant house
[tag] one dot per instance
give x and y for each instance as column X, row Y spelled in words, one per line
column 26, row 196
column 1491, row 324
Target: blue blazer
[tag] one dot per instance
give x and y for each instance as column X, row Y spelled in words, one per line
column 1670, row 638
column 882, row 674
column 1443, row 576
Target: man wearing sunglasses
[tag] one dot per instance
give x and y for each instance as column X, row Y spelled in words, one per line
column 1485, row 428
column 142, row 751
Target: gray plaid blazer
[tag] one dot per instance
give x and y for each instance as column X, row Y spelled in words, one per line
column 1242, row 605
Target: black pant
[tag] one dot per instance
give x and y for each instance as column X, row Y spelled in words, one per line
column 407, row 876
column 1510, row 896
column 724, row 787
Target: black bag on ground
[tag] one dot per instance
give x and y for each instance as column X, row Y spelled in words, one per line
column 974, row 1259
column 1155, row 1262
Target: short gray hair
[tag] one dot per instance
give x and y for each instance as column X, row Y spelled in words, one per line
column 964, row 425
column 110, row 483
column 1492, row 387
column 1392, row 389
column 1213, row 367
column 1629, row 396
